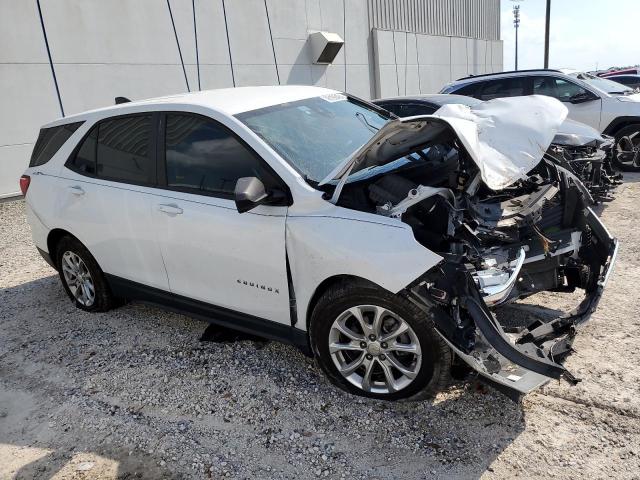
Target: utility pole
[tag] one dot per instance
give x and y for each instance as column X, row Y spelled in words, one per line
column 516, row 25
column 546, row 34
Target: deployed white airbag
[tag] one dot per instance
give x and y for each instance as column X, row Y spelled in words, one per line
column 506, row 137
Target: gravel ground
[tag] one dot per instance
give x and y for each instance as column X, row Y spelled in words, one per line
column 133, row 393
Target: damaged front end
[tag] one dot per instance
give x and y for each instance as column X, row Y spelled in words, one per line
column 589, row 155
column 519, row 360
column 503, row 235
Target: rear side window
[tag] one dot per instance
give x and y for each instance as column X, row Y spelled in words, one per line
column 118, row 150
column 470, row 90
column 204, row 156
column 123, row 150
column 49, row 142
column 409, row 109
column 504, row 87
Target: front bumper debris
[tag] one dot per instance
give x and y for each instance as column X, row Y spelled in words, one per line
column 516, row 363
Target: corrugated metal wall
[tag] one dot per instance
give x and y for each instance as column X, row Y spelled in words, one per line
column 459, row 18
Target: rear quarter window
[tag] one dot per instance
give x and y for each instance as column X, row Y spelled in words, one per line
column 49, row 142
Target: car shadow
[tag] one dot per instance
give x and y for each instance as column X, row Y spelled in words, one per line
column 47, row 344
column 630, row 177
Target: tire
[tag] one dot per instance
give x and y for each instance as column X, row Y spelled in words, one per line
column 68, row 251
column 627, row 139
column 430, row 373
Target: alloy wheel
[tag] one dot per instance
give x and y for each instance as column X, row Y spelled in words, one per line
column 628, row 149
column 78, row 279
column 375, row 349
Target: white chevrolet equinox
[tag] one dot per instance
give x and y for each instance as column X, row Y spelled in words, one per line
column 378, row 245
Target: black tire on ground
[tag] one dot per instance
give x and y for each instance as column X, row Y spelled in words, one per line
column 434, row 372
column 104, row 299
column 627, row 131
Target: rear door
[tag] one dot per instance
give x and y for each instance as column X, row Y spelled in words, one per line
column 104, row 198
column 211, row 252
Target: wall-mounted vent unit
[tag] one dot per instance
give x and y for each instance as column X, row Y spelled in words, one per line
column 325, row 46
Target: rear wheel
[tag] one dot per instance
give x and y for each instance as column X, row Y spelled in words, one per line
column 82, row 278
column 376, row 344
column 628, row 148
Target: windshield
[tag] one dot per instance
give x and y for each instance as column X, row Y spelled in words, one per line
column 602, row 84
column 315, row 135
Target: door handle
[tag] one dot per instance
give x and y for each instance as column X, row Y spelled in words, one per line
column 76, row 190
column 171, row 209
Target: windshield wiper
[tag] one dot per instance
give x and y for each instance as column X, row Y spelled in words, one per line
column 365, row 122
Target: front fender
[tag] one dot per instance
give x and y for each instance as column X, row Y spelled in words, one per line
column 321, row 247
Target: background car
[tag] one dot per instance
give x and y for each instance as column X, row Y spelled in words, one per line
column 623, row 71
column 629, row 80
column 578, row 147
column 607, row 106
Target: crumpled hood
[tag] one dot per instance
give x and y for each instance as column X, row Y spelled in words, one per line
column 576, row 134
column 505, row 137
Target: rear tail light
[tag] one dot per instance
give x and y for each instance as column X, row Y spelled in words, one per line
column 25, row 180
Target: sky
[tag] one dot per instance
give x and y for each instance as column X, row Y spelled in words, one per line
column 585, row 34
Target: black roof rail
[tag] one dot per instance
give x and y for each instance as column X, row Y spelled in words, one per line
column 510, row 71
column 120, row 100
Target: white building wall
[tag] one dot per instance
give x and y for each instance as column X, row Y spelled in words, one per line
column 415, row 63
column 101, row 49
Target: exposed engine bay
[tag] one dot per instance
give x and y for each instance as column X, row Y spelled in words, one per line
column 437, row 191
column 590, row 158
column 537, row 234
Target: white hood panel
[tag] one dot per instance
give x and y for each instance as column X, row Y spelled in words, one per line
column 506, row 137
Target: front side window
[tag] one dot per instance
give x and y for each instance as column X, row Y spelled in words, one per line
column 504, row 87
column 49, row 142
column 558, row 88
column 118, row 150
column 316, row 134
column 204, row 156
column 470, row 90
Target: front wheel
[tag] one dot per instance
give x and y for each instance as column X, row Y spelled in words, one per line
column 628, row 148
column 375, row 344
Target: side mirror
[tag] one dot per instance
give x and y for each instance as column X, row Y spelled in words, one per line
column 582, row 97
column 249, row 193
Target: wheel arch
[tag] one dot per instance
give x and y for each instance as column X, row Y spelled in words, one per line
column 53, row 238
column 619, row 123
column 331, row 282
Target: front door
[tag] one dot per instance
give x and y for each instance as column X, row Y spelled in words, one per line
column 211, row 252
